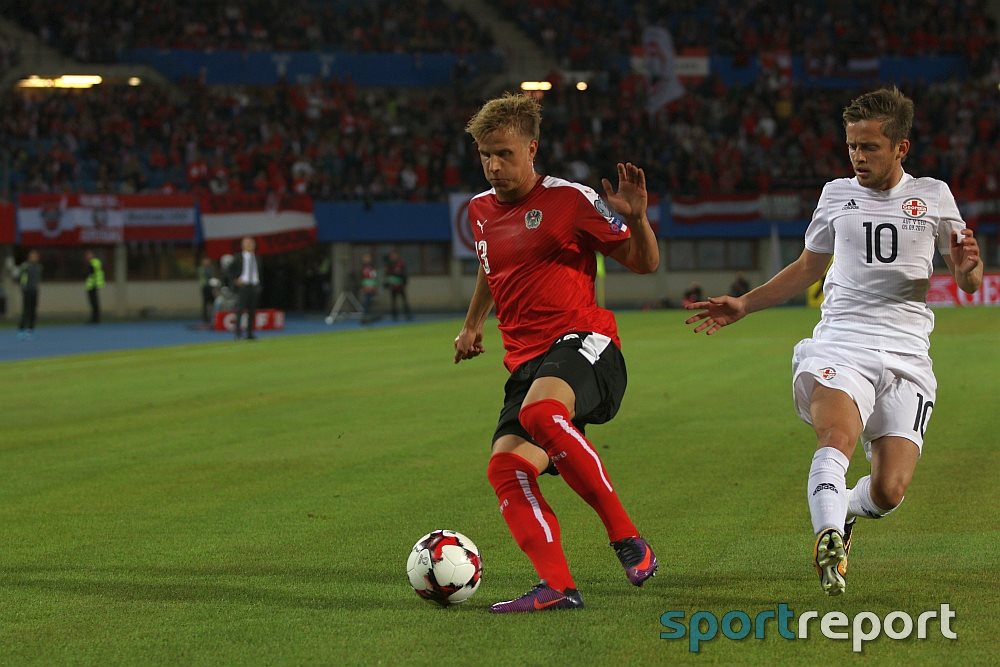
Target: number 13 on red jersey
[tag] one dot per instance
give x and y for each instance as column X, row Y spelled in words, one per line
column 481, row 250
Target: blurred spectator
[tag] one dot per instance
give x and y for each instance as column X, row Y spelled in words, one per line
column 739, row 286
column 369, row 289
column 396, row 279
column 208, row 282
column 692, row 294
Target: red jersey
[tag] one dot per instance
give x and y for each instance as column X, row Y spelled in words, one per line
column 538, row 257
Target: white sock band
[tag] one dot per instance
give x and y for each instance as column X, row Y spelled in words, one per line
column 827, row 491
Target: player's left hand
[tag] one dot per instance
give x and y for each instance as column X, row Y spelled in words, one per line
column 631, row 200
column 965, row 254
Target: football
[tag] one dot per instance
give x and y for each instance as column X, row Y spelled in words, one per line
column 444, row 567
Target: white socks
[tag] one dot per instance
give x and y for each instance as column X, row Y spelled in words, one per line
column 827, row 492
column 860, row 503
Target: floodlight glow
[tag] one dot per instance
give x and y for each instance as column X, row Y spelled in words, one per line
column 536, row 85
column 64, row 81
column 581, row 85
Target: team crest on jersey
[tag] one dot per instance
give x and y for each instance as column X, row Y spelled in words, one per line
column 533, row 218
column 914, row 207
column 828, row 373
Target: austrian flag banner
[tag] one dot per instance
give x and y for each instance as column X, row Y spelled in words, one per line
column 721, row 208
column 93, row 219
column 277, row 223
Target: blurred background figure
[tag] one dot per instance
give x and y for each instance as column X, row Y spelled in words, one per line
column 369, row 289
column 739, row 286
column 395, row 282
column 245, row 270
column 692, row 294
column 93, row 285
column 208, row 283
column 29, row 276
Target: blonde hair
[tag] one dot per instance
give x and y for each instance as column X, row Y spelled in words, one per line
column 510, row 111
column 888, row 105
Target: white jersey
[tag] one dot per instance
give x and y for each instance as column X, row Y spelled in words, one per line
column 875, row 294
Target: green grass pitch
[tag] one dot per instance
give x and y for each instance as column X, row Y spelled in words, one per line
column 255, row 503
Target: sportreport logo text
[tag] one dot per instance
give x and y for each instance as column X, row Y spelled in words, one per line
column 865, row 626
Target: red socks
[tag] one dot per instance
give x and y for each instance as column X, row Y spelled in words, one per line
column 549, row 424
column 529, row 518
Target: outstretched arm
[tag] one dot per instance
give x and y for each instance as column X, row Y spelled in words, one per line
column 640, row 252
column 469, row 341
column 720, row 311
column 964, row 263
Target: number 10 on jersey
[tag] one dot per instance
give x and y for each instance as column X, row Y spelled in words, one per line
column 873, row 241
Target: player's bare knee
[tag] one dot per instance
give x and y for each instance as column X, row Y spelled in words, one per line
column 888, row 494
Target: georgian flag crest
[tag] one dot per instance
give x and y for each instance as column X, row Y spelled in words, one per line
column 914, row 207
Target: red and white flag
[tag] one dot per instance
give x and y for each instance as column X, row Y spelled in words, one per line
column 721, row 208
column 277, row 223
column 90, row 219
column 661, row 68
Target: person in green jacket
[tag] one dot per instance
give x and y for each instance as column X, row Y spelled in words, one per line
column 93, row 285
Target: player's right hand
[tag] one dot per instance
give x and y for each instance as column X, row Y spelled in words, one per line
column 468, row 344
column 716, row 313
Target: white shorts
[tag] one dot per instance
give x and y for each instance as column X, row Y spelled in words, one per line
column 894, row 392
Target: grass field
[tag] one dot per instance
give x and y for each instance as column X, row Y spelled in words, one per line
column 255, row 504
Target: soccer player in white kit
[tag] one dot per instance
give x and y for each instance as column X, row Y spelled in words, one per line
column 866, row 371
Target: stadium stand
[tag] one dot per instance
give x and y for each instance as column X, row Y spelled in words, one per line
column 308, row 97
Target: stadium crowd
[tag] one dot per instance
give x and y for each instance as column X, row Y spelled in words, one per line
column 580, row 36
column 335, row 140
column 102, row 30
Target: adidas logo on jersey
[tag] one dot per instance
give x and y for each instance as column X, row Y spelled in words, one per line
column 850, row 206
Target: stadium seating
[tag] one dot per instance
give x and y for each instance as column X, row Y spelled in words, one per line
column 337, row 140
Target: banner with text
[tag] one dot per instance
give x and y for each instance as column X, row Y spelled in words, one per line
column 277, row 223
column 91, row 219
column 944, row 292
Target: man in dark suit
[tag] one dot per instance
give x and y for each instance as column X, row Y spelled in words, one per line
column 245, row 270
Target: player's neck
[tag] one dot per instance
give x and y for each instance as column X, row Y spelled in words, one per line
column 521, row 192
column 894, row 178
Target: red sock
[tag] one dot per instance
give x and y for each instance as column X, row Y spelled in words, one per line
column 549, row 424
column 530, row 519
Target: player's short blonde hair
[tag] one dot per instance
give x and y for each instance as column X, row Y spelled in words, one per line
column 888, row 105
column 510, row 111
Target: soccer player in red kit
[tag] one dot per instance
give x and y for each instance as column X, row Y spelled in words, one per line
column 536, row 237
